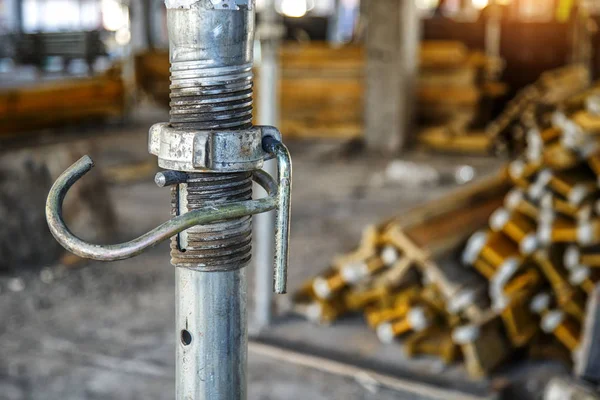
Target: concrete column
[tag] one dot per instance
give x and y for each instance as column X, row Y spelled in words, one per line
column 393, row 34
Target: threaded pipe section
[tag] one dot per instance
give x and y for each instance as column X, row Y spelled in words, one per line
column 219, row 246
column 211, row 98
column 215, row 98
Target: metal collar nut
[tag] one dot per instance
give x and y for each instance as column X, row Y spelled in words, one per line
column 208, row 151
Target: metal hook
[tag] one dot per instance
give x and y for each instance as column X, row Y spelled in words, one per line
column 277, row 198
column 282, row 221
column 163, row 232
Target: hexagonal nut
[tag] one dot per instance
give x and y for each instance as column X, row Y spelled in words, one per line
column 208, row 151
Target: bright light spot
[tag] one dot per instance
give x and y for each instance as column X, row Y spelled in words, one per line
column 294, row 8
column 123, row 36
column 464, row 174
column 114, row 15
column 427, row 4
column 347, row 3
column 480, row 4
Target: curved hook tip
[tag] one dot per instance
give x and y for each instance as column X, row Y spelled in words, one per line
column 86, row 161
column 80, row 167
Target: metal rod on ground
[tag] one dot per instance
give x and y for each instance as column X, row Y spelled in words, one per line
column 268, row 114
column 404, row 386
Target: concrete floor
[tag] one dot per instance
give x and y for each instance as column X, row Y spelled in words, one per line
column 105, row 331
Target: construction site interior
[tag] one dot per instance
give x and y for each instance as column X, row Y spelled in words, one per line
column 444, row 232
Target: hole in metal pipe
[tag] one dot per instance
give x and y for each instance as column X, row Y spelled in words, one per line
column 186, row 337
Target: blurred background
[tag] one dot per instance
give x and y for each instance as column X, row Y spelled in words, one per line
column 445, row 238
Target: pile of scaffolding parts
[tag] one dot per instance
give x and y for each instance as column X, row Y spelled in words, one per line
column 508, row 264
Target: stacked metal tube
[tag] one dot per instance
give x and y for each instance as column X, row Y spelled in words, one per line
column 380, row 280
column 531, row 250
column 538, row 256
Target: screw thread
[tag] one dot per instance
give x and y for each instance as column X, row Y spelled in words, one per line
column 219, row 246
column 215, row 98
column 211, row 98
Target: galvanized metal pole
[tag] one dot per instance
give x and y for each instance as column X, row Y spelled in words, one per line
column 211, row 154
column 211, row 334
column 210, row 46
column 268, row 114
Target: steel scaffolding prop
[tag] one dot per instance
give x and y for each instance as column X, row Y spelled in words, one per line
column 211, row 153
